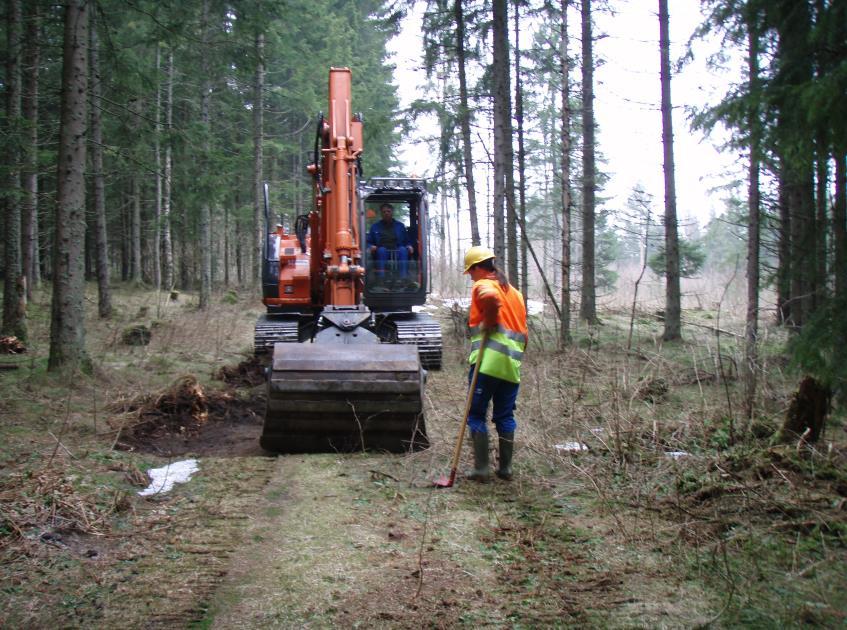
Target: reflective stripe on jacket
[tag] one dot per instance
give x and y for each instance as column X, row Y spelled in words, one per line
column 507, row 340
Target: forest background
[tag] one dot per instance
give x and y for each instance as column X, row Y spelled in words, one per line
column 138, row 134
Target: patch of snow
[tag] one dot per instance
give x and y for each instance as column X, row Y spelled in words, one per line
column 164, row 478
column 534, row 307
column 569, row 447
column 676, row 454
column 464, row 302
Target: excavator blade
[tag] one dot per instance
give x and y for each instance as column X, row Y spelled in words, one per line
column 325, row 397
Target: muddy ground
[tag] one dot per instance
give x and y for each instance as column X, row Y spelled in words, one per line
column 657, row 520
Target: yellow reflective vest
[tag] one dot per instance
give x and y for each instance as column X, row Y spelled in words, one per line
column 507, row 337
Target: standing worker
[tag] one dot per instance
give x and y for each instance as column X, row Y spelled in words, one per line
column 498, row 313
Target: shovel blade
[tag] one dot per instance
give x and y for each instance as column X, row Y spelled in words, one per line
column 444, row 481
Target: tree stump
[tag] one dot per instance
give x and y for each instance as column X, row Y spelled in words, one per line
column 807, row 412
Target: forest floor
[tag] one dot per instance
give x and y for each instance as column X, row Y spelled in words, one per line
column 640, row 499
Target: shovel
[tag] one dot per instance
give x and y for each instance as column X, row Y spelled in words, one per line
column 447, row 482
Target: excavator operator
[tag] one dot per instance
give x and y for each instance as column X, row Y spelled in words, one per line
column 497, row 317
column 387, row 240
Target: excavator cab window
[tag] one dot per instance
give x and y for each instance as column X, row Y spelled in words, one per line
column 393, row 246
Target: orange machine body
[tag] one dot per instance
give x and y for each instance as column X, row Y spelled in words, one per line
column 295, row 286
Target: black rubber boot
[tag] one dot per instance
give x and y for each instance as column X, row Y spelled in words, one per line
column 507, row 446
column 481, row 472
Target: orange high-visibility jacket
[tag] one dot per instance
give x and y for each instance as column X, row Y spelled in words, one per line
column 503, row 314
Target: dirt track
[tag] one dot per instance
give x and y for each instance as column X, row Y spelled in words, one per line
column 364, row 540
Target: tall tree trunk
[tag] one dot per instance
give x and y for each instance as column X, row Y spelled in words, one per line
column 524, row 266
column 205, row 207
column 673, row 301
column 821, row 229
column 796, row 149
column 135, row 202
column 751, row 331
column 67, row 329
column 157, row 158
column 839, row 219
column 502, row 118
column 565, row 315
column 784, row 264
column 588, row 303
column 226, row 245
column 29, row 167
column 167, row 241
column 14, row 281
column 104, row 302
column 465, row 120
column 799, row 194
column 258, row 174
column 503, row 93
column 443, row 248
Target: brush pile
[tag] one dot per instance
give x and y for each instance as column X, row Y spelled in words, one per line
column 248, row 373
column 11, row 345
column 182, row 409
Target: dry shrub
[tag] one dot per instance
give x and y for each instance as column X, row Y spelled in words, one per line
column 40, row 505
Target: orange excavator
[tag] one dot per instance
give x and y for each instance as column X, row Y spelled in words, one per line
column 349, row 353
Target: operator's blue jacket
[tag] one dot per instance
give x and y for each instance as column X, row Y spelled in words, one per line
column 375, row 233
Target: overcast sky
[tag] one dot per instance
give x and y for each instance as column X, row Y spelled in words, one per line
column 627, row 105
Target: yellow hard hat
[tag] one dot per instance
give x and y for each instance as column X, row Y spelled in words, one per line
column 476, row 255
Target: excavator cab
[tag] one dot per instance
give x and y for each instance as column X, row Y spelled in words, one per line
column 396, row 269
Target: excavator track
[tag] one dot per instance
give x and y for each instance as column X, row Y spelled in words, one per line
column 273, row 330
column 423, row 331
column 325, row 397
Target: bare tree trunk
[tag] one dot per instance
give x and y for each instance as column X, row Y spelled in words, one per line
column 67, row 329
column 503, row 96
column 673, row 298
column 104, row 302
column 524, row 266
column 258, row 138
column 502, row 117
column 783, row 271
column 751, row 331
column 565, row 315
column 839, row 218
column 135, row 228
column 465, row 120
column 157, row 157
column 29, row 167
column 588, row 303
column 134, row 108
column 167, row 240
column 821, row 228
column 14, row 281
column 205, row 208
column 801, row 209
column 226, row 245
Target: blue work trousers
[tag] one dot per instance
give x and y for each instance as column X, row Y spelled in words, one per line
column 384, row 255
column 503, row 394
